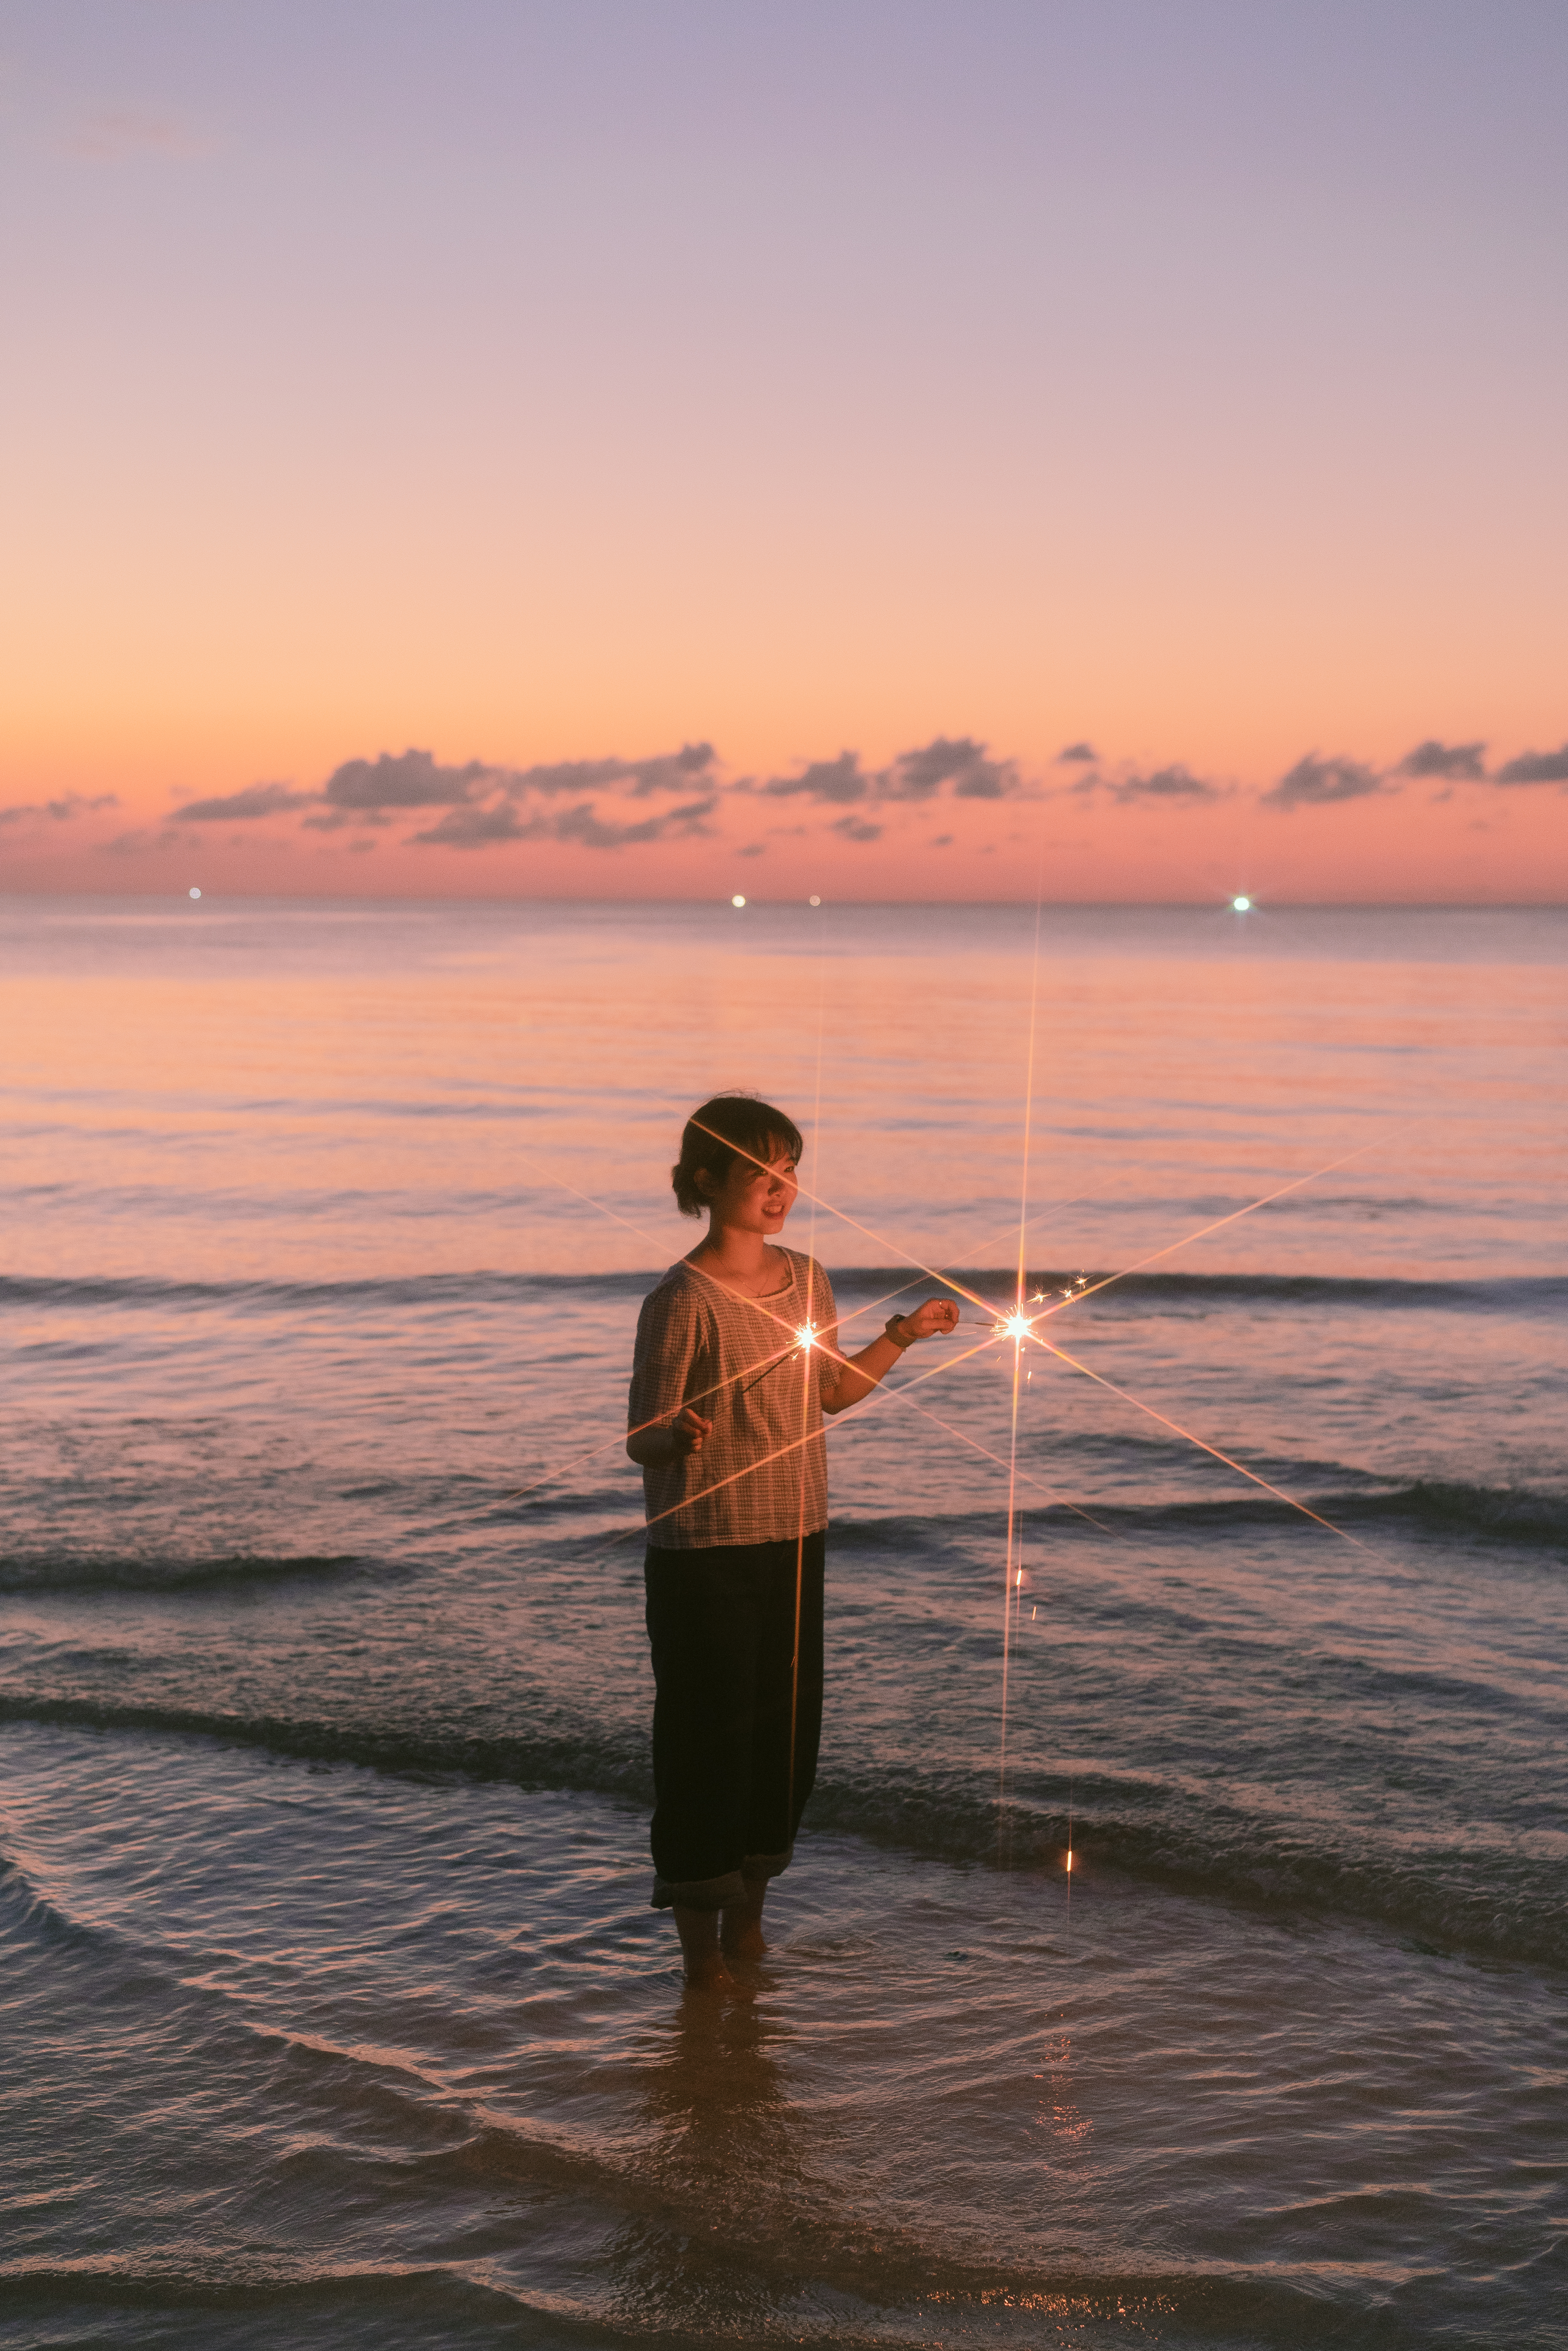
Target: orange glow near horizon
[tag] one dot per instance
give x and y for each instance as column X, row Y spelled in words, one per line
column 519, row 438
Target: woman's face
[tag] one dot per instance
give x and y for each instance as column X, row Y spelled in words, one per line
column 755, row 1199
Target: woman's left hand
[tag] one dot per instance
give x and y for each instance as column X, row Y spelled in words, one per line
column 936, row 1318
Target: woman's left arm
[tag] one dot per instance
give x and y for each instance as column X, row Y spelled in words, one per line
column 857, row 1374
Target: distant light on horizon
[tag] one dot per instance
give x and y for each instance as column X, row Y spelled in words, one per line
column 738, row 900
column 1242, row 905
column 195, row 894
column 814, row 901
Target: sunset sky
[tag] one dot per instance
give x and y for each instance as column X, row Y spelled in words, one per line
column 886, row 450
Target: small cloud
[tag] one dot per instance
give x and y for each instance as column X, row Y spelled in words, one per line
column 855, row 828
column 1316, row 783
column 482, row 828
column 1457, row 763
column 588, row 830
column 1174, row 785
column 336, row 818
column 918, row 775
column 942, row 841
column 254, row 800
column 584, row 826
column 60, row 811
column 1536, row 767
column 116, row 132
column 753, row 849
column 961, row 762
column 1077, row 755
column 138, row 841
column 673, row 771
column 669, row 771
column 413, row 780
column 477, row 828
column 838, row 781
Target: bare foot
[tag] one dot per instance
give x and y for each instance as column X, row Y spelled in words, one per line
column 708, row 1975
column 706, row 1969
column 740, row 1934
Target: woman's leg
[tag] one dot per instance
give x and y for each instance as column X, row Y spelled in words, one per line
column 786, row 1734
column 703, row 1625
column 700, row 1952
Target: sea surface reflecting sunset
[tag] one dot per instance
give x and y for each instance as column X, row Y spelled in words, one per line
column 339, row 2014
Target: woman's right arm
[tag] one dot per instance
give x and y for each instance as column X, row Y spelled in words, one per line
column 662, row 1427
column 651, row 1447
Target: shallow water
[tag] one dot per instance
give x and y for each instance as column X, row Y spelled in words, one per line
column 341, row 2016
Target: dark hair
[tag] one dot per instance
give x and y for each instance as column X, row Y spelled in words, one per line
column 730, row 1127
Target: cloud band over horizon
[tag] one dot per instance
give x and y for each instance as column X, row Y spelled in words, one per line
column 484, row 805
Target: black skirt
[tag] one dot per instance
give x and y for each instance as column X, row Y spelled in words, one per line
column 736, row 1636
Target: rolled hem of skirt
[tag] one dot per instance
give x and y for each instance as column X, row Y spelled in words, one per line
column 697, row 1893
column 714, row 1893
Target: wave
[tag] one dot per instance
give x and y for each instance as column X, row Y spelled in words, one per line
column 64, row 1572
column 591, row 1763
column 1465, row 1901
column 1500, row 1294
column 1501, row 1514
column 1512, row 1295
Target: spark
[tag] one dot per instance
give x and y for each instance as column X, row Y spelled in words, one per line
column 1204, row 1447
column 1069, row 1858
column 1085, row 1288
column 806, row 1337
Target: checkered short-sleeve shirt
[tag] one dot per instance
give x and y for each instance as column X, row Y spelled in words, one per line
column 762, row 1476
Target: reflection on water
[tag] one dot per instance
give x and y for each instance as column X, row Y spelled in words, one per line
column 727, row 2158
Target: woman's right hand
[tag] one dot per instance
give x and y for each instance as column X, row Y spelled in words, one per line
column 687, row 1431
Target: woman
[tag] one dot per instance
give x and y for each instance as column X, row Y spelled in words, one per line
column 737, row 1361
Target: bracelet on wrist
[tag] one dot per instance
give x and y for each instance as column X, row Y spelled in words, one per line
column 890, row 1330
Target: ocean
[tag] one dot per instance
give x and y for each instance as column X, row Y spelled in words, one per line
column 335, row 2013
